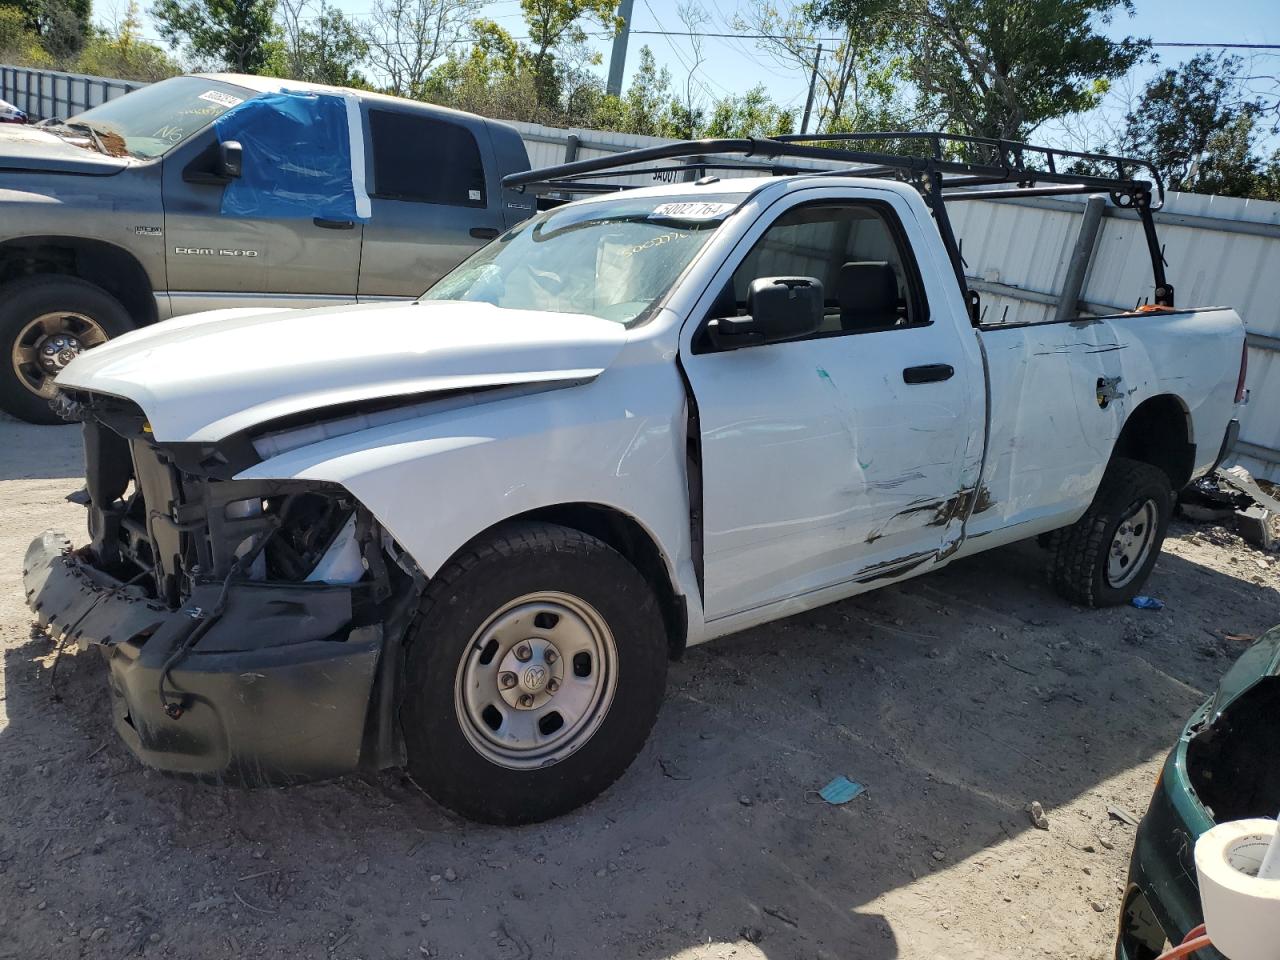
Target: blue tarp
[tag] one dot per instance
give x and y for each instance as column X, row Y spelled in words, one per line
column 297, row 159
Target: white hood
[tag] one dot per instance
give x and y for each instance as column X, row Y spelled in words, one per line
column 208, row 375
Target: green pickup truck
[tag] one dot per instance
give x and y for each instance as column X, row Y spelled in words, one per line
column 114, row 219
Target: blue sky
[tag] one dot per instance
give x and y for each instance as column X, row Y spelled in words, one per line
column 735, row 65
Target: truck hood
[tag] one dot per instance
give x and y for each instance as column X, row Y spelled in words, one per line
column 25, row 147
column 206, row 376
column 1258, row 662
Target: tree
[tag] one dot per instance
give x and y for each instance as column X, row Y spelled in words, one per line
column 327, row 47
column 1181, row 110
column 19, row 43
column 754, row 114
column 996, row 68
column 121, row 52
column 556, row 24
column 407, row 38
column 1197, row 123
column 237, row 33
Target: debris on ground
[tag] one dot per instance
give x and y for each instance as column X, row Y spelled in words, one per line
column 1124, row 816
column 1232, row 497
column 1147, row 603
column 840, row 790
column 1038, row 819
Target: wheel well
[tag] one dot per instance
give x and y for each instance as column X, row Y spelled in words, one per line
column 1158, row 432
column 114, row 269
column 631, row 540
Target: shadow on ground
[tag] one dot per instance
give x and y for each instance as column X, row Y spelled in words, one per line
column 956, row 698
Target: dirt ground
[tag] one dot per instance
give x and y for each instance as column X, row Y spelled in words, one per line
column 957, row 699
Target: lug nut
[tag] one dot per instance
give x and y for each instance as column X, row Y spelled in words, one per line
column 553, row 685
column 526, row 700
column 550, row 656
column 508, row 680
column 524, row 652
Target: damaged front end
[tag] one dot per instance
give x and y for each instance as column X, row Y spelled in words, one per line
column 252, row 627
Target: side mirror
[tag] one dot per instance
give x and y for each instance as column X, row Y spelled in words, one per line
column 778, row 308
column 216, row 165
column 230, row 159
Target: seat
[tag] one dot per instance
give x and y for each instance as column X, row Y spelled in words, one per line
column 868, row 295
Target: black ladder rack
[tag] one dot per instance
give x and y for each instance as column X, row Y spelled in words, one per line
column 944, row 167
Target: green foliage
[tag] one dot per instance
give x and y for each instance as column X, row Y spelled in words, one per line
column 123, row 53
column 19, row 43
column 327, row 48
column 996, row 68
column 754, row 114
column 239, row 34
column 1200, row 128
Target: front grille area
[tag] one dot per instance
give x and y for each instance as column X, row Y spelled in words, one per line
column 159, row 517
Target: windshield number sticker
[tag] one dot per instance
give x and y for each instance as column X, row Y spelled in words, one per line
column 221, row 99
column 693, row 210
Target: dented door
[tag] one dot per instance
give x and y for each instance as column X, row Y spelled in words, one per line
column 822, row 465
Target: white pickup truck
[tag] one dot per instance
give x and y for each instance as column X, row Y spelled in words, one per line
column 466, row 534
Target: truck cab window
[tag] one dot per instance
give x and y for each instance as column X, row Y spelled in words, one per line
column 869, row 278
column 425, row 160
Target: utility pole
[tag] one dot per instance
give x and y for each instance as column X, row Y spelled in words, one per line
column 618, row 59
column 813, row 84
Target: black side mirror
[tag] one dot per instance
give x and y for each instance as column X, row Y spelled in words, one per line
column 230, row 159
column 216, row 165
column 778, row 308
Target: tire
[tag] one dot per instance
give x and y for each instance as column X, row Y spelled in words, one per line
column 531, row 588
column 60, row 304
column 1088, row 557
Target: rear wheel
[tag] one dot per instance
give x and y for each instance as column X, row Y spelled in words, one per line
column 45, row 322
column 535, row 673
column 1106, row 556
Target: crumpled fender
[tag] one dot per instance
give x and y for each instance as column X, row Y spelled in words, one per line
column 437, row 481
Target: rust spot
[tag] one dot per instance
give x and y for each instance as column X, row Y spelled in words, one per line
column 983, row 502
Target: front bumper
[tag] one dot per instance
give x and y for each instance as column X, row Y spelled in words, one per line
column 1162, row 897
column 277, row 690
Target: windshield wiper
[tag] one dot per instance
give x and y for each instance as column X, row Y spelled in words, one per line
column 93, row 134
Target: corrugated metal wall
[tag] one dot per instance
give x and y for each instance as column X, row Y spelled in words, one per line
column 1220, row 250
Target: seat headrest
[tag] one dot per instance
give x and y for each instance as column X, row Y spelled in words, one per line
column 868, row 295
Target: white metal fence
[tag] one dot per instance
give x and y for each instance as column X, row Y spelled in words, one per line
column 1220, row 250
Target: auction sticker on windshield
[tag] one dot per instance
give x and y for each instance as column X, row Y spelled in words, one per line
column 693, row 210
column 222, row 99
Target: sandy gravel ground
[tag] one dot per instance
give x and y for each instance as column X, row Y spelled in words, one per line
column 956, row 698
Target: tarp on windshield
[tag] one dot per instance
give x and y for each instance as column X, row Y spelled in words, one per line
column 301, row 157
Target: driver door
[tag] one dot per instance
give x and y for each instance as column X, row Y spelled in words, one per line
column 831, row 461
column 219, row 260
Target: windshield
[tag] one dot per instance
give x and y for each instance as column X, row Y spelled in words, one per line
column 156, row 118
column 610, row 260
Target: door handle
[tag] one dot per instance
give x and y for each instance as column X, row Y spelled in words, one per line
column 484, row 233
column 928, row 373
column 332, row 224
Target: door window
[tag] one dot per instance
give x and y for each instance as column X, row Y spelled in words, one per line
column 857, row 250
column 425, row 160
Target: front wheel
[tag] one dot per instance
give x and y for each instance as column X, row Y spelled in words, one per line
column 534, row 675
column 1105, row 557
column 45, row 322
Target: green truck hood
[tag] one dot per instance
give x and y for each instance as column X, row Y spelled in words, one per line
column 1260, row 660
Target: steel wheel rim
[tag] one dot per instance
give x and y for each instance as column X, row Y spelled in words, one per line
column 536, row 680
column 1131, row 543
column 48, row 343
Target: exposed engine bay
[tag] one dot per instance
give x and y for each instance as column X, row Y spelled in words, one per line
column 287, row 592
column 1234, row 762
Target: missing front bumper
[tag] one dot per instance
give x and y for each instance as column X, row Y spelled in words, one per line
column 278, row 690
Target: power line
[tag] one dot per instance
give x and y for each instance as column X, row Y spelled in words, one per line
column 1222, row 46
